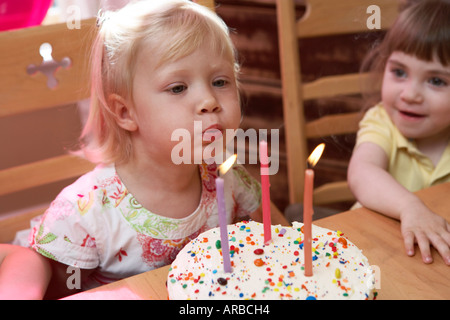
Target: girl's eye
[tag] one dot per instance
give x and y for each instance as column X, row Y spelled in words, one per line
column 437, row 82
column 178, row 89
column 220, row 83
column 398, row 73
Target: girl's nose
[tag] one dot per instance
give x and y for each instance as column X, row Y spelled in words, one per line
column 411, row 93
column 208, row 103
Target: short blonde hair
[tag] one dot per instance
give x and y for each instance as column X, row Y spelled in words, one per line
column 172, row 29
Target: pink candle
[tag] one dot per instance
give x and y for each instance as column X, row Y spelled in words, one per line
column 265, row 186
column 308, row 208
column 307, row 220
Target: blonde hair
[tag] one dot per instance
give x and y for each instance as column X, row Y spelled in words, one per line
column 422, row 29
column 171, row 29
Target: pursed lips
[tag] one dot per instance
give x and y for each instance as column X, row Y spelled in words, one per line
column 212, row 133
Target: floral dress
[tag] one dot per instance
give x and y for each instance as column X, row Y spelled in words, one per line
column 95, row 223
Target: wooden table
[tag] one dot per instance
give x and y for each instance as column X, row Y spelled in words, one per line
column 401, row 277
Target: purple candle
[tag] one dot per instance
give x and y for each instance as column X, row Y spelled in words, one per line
column 223, row 213
column 223, row 225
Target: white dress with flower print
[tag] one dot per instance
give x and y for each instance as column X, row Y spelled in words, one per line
column 95, row 223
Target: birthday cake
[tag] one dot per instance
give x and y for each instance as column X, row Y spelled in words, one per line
column 270, row 271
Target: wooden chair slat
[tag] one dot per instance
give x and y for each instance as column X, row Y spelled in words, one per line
column 42, row 172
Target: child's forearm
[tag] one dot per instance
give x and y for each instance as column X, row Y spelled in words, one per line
column 24, row 274
column 376, row 189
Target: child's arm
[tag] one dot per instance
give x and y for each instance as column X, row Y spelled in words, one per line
column 24, row 274
column 376, row 189
column 27, row 275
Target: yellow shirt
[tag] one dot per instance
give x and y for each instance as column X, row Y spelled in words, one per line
column 410, row 167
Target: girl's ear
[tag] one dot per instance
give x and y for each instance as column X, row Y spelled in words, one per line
column 124, row 114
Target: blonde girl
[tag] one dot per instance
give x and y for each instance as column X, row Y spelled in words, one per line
column 157, row 66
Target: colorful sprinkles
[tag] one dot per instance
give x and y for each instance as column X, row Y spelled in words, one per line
column 275, row 270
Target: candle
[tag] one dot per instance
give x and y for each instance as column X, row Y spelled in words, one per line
column 308, row 208
column 307, row 220
column 220, row 195
column 265, row 186
column 223, row 225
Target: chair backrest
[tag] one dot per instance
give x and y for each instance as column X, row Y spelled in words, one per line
column 322, row 18
column 207, row 3
column 43, row 67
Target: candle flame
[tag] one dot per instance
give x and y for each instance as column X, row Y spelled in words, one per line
column 316, row 154
column 224, row 167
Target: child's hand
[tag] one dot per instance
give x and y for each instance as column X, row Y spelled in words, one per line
column 425, row 227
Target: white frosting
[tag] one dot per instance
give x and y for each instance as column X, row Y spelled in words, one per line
column 340, row 270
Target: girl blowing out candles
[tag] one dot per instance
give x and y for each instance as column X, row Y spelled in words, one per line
column 157, row 66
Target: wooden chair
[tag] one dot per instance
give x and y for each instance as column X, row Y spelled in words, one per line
column 207, row 3
column 25, row 87
column 322, row 18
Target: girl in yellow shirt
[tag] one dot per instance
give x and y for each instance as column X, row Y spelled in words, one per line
column 403, row 142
